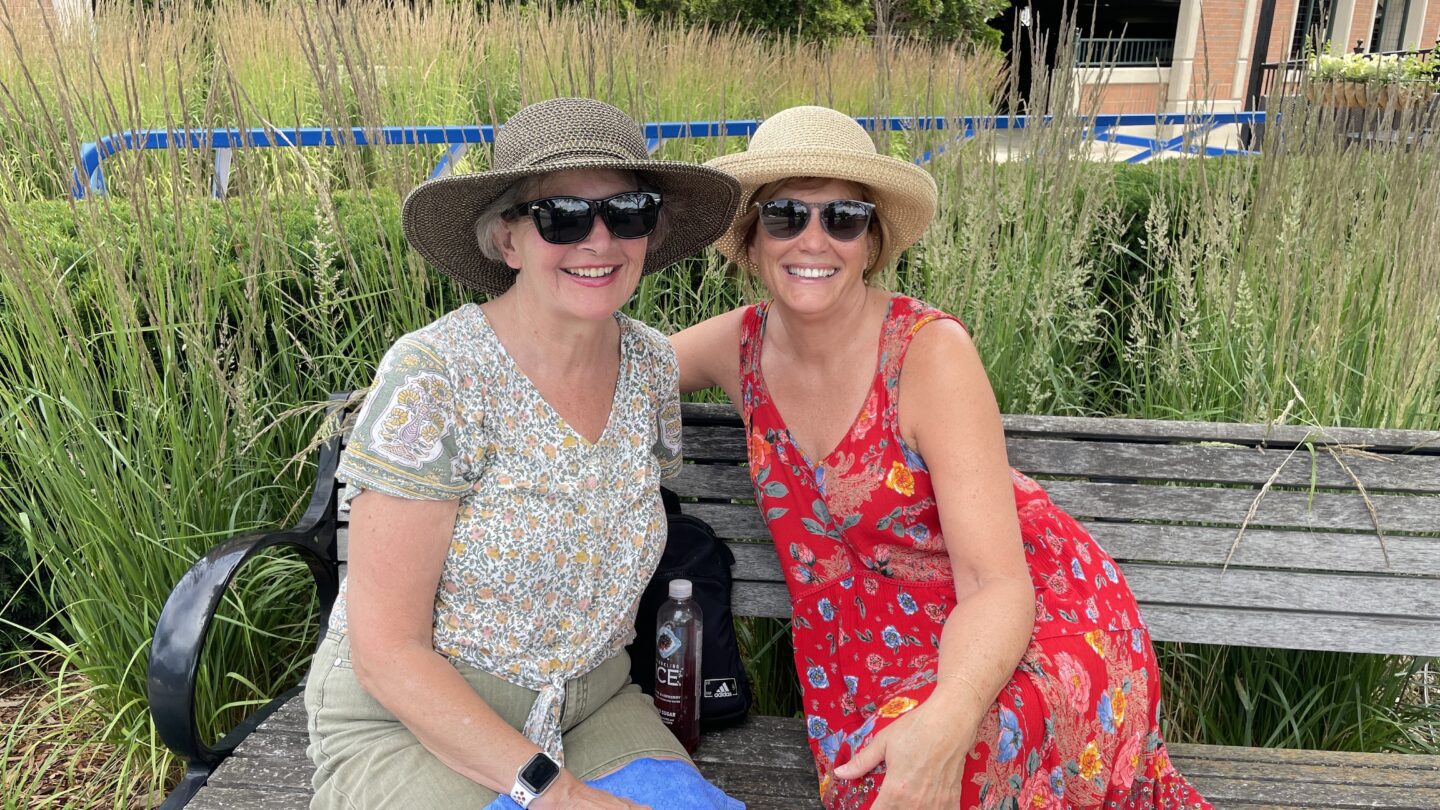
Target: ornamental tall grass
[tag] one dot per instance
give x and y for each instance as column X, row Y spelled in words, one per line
column 162, row 353
column 1307, row 276
column 1297, row 287
column 274, row 65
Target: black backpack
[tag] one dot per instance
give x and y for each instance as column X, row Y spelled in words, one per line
column 693, row 552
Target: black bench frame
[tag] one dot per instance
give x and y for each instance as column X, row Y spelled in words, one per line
column 184, row 624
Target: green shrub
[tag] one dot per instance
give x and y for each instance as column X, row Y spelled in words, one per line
column 21, row 606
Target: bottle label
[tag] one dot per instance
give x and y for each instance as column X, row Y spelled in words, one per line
column 667, row 641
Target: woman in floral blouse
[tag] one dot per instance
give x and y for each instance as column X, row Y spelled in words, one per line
column 503, row 490
column 960, row 640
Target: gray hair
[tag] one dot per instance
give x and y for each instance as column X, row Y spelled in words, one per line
column 488, row 224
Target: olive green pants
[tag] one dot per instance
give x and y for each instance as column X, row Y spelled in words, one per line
column 365, row 758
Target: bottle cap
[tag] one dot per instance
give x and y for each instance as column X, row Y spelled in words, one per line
column 680, row 589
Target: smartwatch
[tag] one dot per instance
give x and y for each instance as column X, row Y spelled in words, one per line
column 534, row 778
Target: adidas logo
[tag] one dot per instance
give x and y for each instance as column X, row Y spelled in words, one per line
column 720, row 688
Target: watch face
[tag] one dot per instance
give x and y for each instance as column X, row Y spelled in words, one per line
column 539, row 772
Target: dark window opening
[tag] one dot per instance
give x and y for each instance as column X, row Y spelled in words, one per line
column 1126, row 34
column 1313, row 21
column 1389, row 31
column 1030, row 32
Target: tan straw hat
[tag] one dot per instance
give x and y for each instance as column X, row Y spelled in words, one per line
column 439, row 216
column 821, row 142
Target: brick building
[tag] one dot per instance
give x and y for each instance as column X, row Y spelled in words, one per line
column 33, row 14
column 1175, row 55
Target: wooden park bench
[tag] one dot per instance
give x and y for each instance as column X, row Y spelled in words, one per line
column 1340, row 551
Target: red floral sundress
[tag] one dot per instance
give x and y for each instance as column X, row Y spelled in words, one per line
column 858, row 536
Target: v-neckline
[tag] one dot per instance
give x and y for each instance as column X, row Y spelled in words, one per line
column 620, row 377
column 769, row 395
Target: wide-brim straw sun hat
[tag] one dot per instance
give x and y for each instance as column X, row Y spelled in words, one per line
column 821, row 142
column 439, row 215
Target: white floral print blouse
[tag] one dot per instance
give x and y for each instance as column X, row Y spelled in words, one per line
column 555, row 537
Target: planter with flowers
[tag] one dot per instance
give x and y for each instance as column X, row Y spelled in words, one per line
column 1373, row 81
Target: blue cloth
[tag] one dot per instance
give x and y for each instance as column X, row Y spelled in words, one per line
column 663, row 784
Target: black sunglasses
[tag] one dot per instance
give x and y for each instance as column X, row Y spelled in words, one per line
column 842, row 219
column 566, row 220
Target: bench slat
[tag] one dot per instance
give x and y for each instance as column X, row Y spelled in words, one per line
column 1234, row 464
column 1193, row 545
column 1231, row 777
column 1425, row 442
column 723, row 443
column 1246, row 627
column 1388, row 768
column 1379, row 635
column 1158, row 430
column 1396, row 513
column 764, row 787
column 1183, row 545
column 1228, row 465
column 1310, row 773
column 1167, row 504
column 291, row 774
column 1199, row 546
column 1265, row 548
column 765, row 762
column 218, row 796
column 1329, row 593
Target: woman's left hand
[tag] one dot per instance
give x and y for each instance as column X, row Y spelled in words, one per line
column 924, row 757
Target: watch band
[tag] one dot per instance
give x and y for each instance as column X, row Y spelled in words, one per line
column 521, row 796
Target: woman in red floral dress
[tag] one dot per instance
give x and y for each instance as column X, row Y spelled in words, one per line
column 960, row 640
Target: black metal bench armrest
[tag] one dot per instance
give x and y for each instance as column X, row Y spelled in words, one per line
column 184, row 622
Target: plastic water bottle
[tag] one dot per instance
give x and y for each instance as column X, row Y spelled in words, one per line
column 677, row 664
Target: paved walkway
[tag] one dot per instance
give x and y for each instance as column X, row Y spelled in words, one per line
column 1014, row 144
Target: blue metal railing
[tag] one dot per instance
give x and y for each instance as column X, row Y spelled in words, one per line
column 1124, row 52
column 89, row 178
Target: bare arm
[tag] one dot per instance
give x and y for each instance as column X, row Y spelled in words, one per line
column 948, row 414
column 957, row 429
column 709, row 354
column 398, row 549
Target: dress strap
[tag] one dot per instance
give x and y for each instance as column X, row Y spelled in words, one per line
column 752, row 328
column 907, row 317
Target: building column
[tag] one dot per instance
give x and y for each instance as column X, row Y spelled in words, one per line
column 1182, row 65
column 72, row 12
column 1415, row 26
column 1340, row 26
column 1247, row 48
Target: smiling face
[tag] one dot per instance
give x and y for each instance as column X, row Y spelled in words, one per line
column 812, row 271
column 589, row 279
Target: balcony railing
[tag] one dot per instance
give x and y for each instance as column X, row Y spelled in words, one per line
column 1285, row 78
column 1124, row 52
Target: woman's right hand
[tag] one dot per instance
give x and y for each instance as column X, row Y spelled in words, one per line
column 569, row 792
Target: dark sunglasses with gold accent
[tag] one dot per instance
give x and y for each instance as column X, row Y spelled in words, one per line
column 844, row 220
column 567, row 220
